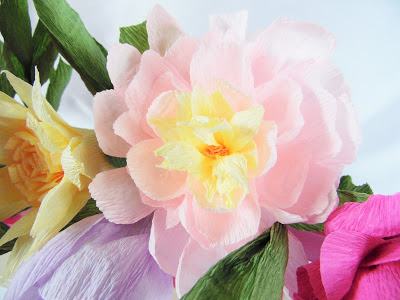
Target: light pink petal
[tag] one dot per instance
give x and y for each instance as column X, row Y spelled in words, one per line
column 232, row 27
column 128, row 127
column 166, row 245
column 318, row 197
column 107, row 107
column 388, row 252
column 297, row 41
column 341, row 254
column 230, row 227
column 162, row 29
column 281, row 99
column 297, row 258
column 311, row 242
column 171, row 204
column 180, row 54
column 280, row 188
column 281, row 215
column 222, row 61
column 194, row 263
column 157, row 183
column 118, row 197
column 264, row 68
column 122, row 64
column 309, row 283
column 378, row 216
column 377, row 282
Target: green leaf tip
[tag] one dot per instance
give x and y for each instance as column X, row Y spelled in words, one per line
column 135, row 35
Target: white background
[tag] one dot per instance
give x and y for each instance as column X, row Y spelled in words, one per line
column 368, row 53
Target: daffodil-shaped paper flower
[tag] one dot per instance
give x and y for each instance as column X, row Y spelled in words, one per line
column 48, row 166
column 224, row 135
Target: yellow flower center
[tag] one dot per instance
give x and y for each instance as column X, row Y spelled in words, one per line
column 32, row 168
column 213, row 144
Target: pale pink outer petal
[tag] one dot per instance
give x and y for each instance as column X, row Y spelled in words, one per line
column 180, row 54
column 157, row 183
column 166, row 245
column 311, row 241
column 162, row 29
column 107, row 107
column 232, row 27
column 118, row 197
column 222, row 61
column 128, row 127
column 341, row 254
column 122, row 64
column 194, row 263
column 378, row 282
column 281, row 99
column 222, row 228
column 309, row 283
column 280, row 188
column 171, row 204
column 378, row 216
column 297, row 258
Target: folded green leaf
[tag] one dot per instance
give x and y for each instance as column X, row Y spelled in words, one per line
column 75, row 43
column 5, row 86
column 59, row 79
column 116, row 162
column 15, row 26
column 136, row 36
column 309, row 227
column 44, row 53
column 346, row 184
column 13, row 64
column 255, row 271
column 90, row 209
column 7, row 247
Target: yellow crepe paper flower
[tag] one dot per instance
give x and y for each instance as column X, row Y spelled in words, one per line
column 48, row 167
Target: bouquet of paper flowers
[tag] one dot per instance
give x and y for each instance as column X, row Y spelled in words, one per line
column 214, row 170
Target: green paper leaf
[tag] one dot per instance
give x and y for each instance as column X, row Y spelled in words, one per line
column 13, row 64
column 90, row 209
column 255, row 271
column 15, row 27
column 116, row 162
column 309, row 227
column 7, row 247
column 44, row 53
column 75, row 43
column 5, row 86
column 59, row 79
column 346, row 184
column 136, row 36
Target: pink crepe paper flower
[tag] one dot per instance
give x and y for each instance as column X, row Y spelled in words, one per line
column 93, row 259
column 224, row 135
column 360, row 257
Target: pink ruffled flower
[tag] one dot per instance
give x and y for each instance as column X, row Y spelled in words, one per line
column 360, row 257
column 224, row 135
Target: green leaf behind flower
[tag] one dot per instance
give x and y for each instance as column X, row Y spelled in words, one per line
column 7, row 247
column 74, row 42
column 5, row 86
column 15, row 27
column 90, row 209
column 116, row 162
column 255, row 271
column 59, row 79
column 136, row 36
column 309, row 227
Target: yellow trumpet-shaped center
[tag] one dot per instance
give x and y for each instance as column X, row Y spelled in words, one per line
column 213, row 144
column 32, row 168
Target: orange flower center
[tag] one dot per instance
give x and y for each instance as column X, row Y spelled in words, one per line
column 213, row 151
column 32, row 168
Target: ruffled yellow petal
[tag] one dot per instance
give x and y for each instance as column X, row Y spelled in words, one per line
column 18, row 255
column 20, row 228
column 9, row 108
column 184, row 107
column 166, row 129
column 23, row 89
column 250, row 153
column 245, row 124
column 213, row 106
column 11, row 201
column 58, row 207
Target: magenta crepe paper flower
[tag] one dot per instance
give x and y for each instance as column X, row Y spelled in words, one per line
column 94, row 259
column 360, row 257
column 224, row 135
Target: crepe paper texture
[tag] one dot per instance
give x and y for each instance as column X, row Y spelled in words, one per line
column 48, row 167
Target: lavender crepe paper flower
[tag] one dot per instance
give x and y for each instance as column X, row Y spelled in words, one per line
column 94, row 259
